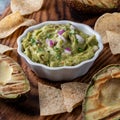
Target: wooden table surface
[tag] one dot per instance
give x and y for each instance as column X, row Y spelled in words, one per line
column 28, row 108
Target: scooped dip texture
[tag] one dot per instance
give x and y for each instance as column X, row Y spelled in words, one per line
column 58, row 45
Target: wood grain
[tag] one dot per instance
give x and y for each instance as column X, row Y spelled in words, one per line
column 27, row 108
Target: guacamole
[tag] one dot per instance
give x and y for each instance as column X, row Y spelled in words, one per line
column 58, row 45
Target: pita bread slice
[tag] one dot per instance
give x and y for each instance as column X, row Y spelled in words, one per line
column 51, row 100
column 4, row 48
column 107, row 22
column 114, row 41
column 12, row 22
column 73, row 93
column 26, row 7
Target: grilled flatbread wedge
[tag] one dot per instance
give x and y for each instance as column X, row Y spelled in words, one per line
column 102, row 99
column 13, row 82
column 94, row 6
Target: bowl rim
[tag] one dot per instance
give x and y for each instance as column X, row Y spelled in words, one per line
column 84, row 27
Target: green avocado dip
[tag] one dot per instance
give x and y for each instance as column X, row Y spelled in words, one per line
column 58, row 45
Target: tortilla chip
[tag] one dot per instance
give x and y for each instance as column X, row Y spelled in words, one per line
column 12, row 22
column 73, row 93
column 104, row 39
column 51, row 100
column 114, row 41
column 4, row 48
column 26, row 7
column 107, row 22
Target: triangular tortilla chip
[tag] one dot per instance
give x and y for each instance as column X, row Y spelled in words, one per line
column 51, row 100
column 107, row 22
column 26, row 7
column 114, row 41
column 73, row 93
column 4, row 48
column 12, row 22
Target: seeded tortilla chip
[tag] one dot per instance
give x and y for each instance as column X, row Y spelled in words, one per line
column 51, row 100
column 107, row 22
column 26, row 7
column 12, row 22
column 73, row 93
column 114, row 41
column 4, row 48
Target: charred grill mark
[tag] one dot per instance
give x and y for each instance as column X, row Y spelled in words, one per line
column 103, row 4
column 116, row 75
column 13, row 92
column 106, row 5
column 18, row 78
column 102, row 80
column 13, row 88
column 96, row 109
column 14, row 85
column 109, row 116
column 90, row 2
column 16, row 72
column 16, row 69
column 12, row 64
column 14, row 82
column 112, row 116
column 18, row 75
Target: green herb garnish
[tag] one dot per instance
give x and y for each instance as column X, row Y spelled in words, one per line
column 32, row 41
column 80, row 50
column 72, row 31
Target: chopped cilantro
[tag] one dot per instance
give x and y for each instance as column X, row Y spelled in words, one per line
column 72, row 31
column 48, row 35
column 80, row 50
column 32, row 41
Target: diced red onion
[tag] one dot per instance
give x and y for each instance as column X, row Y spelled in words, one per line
column 50, row 43
column 47, row 40
column 67, row 50
column 79, row 38
column 60, row 32
column 63, row 38
column 72, row 27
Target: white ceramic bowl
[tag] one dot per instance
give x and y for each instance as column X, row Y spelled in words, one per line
column 66, row 72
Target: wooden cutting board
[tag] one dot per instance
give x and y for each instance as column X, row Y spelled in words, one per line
column 28, row 108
